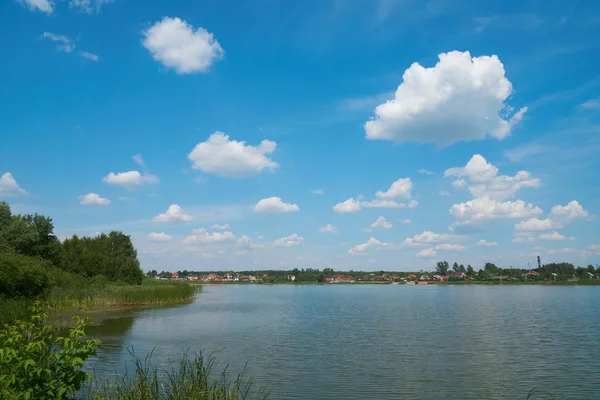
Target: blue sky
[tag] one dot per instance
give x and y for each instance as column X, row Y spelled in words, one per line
column 347, row 134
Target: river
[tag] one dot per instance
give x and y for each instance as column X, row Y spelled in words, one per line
column 379, row 341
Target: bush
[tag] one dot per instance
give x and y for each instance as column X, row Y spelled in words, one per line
column 22, row 276
column 36, row 363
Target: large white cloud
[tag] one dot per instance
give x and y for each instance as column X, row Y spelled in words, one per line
column 39, row 5
column 231, row 158
column 175, row 44
column 360, row 249
column 400, row 189
column 174, row 214
column 289, row 241
column 159, row 237
column 428, row 237
column 483, row 180
column 274, row 205
column 559, row 217
column 130, row 179
column 93, row 198
column 9, row 186
column 461, row 98
column 203, row 236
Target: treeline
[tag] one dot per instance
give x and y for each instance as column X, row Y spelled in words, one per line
column 562, row 270
column 32, row 259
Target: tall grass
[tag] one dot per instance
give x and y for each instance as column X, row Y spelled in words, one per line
column 94, row 294
column 192, row 378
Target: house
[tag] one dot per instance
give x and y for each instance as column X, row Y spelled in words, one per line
column 424, row 278
column 499, row 277
column 291, row 278
column 192, row 278
column 328, row 280
column 175, row 275
column 411, row 276
column 459, row 274
column 342, row 278
column 532, row 273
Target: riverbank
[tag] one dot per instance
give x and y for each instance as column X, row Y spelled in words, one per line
column 93, row 294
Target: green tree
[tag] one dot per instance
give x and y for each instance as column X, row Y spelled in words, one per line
column 455, row 267
column 470, row 271
column 442, row 268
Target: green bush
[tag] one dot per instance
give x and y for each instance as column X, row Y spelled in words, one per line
column 22, row 276
column 36, row 363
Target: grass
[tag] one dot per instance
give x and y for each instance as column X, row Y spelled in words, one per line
column 190, row 378
column 150, row 293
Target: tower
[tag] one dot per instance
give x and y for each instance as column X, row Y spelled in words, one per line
column 539, row 262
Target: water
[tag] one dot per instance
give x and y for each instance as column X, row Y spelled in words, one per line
column 380, row 341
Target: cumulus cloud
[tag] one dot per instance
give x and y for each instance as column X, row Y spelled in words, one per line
column 460, row 98
column 483, row 209
column 159, row 237
column 231, row 158
column 130, row 179
column 289, row 241
column 381, row 222
column 483, row 180
column 38, row 5
column 328, row 229
column 221, row 227
column 174, row 214
column 93, row 198
column 9, row 186
column 559, row 217
column 401, row 189
column 485, row 243
column 372, row 243
column 554, row 236
column 203, row 236
column 429, row 252
column 245, row 244
column 175, row 44
column 274, row 205
column 429, row 237
column 63, row 43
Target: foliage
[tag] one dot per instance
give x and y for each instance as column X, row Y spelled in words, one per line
column 190, row 378
column 22, row 276
column 36, row 363
column 442, row 268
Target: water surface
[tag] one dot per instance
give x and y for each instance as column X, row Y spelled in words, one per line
column 380, row 341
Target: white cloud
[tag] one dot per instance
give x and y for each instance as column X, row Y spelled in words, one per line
column 221, row 227
column 461, row 98
column 9, row 186
column 561, row 251
column 360, row 249
column 245, row 243
column 175, row 44
column 138, row 159
column 328, row 229
column 405, row 221
column 89, row 56
column 591, row 104
column 450, row 247
column 425, row 171
column 289, row 241
column 591, row 250
column 483, row 179
column 232, row 159
column 485, row 243
column 130, row 179
column 381, row 222
column 159, row 237
column 399, row 189
column 88, row 6
column 94, row 198
column 318, row 191
column 559, row 217
column 554, row 236
column 63, row 43
column 274, row 205
column 174, row 213
column 429, row 237
column 38, row 5
column 203, row 236
column 429, row 252
column 480, row 210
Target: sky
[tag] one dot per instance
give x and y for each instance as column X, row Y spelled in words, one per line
column 348, row 134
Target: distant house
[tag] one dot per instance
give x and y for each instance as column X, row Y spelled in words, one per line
column 424, row 278
column 499, row 277
column 342, row 278
column 329, row 280
column 175, row 275
column 459, row 274
column 411, row 276
column 192, row 278
column 532, row 273
column 291, row 278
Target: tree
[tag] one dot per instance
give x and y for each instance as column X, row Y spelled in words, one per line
column 470, row 270
column 455, row 267
column 442, row 268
